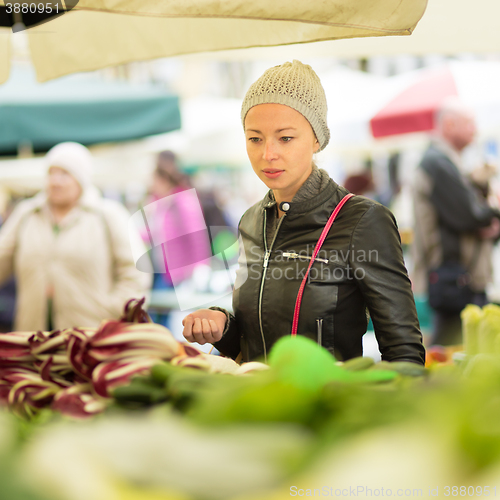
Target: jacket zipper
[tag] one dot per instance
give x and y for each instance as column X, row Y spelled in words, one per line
column 293, row 255
column 319, row 330
column 264, row 272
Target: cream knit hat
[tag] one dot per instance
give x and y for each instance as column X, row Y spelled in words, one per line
column 75, row 159
column 295, row 85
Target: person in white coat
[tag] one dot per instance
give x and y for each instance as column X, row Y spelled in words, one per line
column 70, row 250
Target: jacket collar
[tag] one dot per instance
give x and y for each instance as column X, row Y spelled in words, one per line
column 307, row 199
column 445, row 148
column 89, row 201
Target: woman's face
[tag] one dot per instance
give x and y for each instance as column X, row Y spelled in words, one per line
column 280, row 146
column 63, row 190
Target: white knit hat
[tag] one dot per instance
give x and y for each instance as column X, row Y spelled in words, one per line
column 75, row 159
column 295, row 85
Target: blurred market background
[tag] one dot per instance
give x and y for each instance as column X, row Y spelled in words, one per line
column 190, row 104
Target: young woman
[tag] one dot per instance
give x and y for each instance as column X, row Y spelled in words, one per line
column 360, row 266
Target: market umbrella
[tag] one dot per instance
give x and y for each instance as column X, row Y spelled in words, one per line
column 80, row 108
column 448, row 27
column 413, row 105
column 100, row 33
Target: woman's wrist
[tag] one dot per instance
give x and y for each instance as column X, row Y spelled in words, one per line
column 226, row 314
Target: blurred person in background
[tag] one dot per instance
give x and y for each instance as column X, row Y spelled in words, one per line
column 69, row 250
column 361, row 184
column 8, row 288
column 454, row 224
column 284, row 120
column 174, row 218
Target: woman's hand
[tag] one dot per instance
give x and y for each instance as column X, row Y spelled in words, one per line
column 204, row 326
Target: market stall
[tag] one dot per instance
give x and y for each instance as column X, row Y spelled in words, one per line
column 125, row 411
column 162, row 420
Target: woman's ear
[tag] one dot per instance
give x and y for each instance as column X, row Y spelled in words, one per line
column 316, row 146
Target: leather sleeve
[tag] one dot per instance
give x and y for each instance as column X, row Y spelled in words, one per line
column 229, row 344
column 377, row 261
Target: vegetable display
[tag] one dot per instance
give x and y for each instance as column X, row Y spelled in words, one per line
column 74, row 370
column 166, row 422
column 481, row 329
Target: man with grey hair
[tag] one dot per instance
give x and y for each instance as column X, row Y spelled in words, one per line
column 453, row 222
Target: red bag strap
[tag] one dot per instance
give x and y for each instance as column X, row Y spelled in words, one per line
column 317, row 248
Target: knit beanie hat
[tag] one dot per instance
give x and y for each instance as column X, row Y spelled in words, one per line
column 75, row 159
column 295, row 85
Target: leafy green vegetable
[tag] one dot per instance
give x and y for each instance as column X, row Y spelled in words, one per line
column 471, row 317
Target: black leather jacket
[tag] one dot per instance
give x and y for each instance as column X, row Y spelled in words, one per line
column 359, row 267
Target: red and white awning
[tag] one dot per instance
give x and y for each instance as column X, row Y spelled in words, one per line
column 418, row 95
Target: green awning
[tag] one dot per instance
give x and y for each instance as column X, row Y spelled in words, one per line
column 80, row 108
